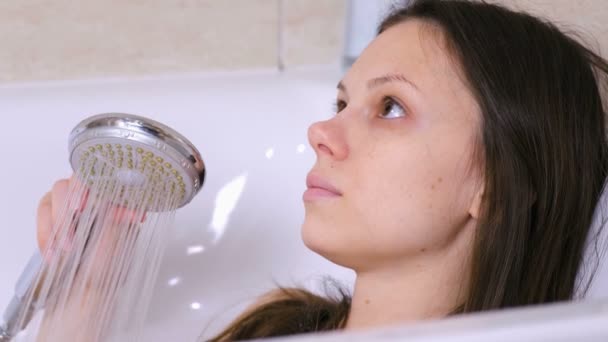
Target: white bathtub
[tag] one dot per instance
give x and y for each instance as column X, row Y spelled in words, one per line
column 241, row 234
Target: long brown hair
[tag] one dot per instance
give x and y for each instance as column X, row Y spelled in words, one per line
column 542, row 151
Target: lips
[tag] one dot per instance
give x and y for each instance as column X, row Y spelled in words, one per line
column 318, row 185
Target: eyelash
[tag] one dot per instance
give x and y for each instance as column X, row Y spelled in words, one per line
column 340, row 105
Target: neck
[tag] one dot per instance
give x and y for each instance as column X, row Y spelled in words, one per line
column 421, row 288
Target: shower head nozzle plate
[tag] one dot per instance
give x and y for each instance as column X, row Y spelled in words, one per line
column 135, row 151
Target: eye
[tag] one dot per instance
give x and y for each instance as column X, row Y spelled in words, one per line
column 339, row 105
column 391, row 109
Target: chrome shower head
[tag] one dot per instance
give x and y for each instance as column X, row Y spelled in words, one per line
column 135, row 151
column 131, row 154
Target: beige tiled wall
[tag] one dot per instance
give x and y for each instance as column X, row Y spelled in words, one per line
column 313, row 31
column 66, row 39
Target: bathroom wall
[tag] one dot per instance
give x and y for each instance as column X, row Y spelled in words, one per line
column 64, row 39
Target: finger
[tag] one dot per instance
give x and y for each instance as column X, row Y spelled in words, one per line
column 44, row 221
column 123, row 215
column 58, row 197
column 80, row 188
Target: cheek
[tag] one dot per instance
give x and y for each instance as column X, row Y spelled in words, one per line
column 413, row 202
column 399, row 209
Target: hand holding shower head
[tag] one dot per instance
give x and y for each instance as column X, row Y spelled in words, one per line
column 144, row 165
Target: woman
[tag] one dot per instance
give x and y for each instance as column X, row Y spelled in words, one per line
column 460, row 172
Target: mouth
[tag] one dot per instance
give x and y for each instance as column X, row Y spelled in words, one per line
column 319, row 187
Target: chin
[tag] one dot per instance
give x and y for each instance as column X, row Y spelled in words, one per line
column 318, row 238
column 312, row 236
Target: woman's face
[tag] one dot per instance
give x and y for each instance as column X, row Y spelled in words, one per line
column 399, row 154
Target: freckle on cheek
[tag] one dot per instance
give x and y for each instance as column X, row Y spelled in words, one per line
column 367, row 301
column 440, row 180
column 423, row 250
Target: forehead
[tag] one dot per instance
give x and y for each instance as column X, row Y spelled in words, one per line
column 418, row 50
column 414, row 48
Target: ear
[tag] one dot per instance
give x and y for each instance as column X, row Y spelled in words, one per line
column 475, row 208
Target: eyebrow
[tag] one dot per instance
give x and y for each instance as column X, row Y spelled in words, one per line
column 378, row 81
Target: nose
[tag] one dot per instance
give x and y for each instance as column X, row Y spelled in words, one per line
column 327, row 138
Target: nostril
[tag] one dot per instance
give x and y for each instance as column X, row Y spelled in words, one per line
column 325, row 149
